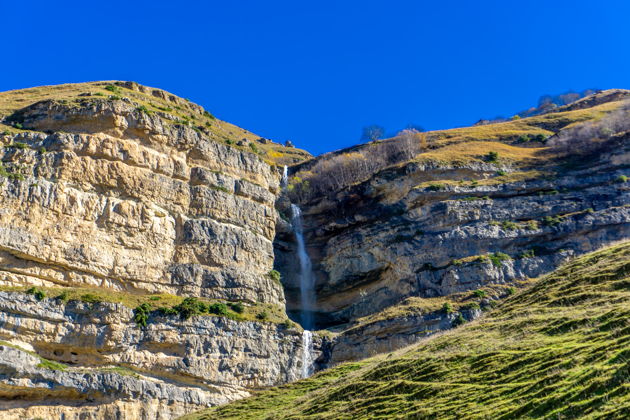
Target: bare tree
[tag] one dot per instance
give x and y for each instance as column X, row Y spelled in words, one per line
column 372, row 133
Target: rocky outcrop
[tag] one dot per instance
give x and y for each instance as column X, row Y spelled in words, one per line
column 171, row 362
column 102, row 194
column 136, row 204
column 396, row 235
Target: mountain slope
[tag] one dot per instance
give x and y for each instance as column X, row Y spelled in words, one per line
column 560, row 349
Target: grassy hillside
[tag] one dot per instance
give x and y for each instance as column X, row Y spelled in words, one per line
column 173, row 109
column 557, row 350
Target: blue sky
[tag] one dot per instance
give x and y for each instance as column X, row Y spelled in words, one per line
column 316, row 72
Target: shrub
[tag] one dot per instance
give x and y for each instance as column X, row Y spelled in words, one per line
column 622, row 179
column 143, row 109
column 190, row 307
column 18, row 125
column 218, row 309
column 262, row 316
column 42, row 150
column 274, row 275
column 551, row 220
column 501, row 173
column 19, row 145
column 64, row 296
column 115, row 97
column 237, row 307
column 509, row 225
column 141, row 314
column 492, row 157
column 288, row 324
column 498, row 257
column 37, row 292
column 530, row 253
column 228, row 141
column 458, row 321
column 436, row 187
column 113, row 89
column 254, row 148
column 523, row 139
column 471, row 306
column 531, row 225
column 510, row 291
column 590, row 210
column 209, row 115
column 480, row 293
column 91, row 298
column 155, row 298
column 167, row 311
column 447, row 308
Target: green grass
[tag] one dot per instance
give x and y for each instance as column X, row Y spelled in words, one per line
column 557, row 350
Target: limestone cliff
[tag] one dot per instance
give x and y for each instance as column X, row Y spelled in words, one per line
column 116, row 202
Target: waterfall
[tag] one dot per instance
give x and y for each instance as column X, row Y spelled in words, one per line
column 307, row 294
column 307, row 350
column 285, row 177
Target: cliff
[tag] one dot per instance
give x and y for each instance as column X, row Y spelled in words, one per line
column 118, row 201
column 148, row 253
column 459, row 221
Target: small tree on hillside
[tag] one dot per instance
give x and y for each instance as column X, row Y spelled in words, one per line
column 372, row 133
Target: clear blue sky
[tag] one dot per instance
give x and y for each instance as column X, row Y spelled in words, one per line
column 316, row 72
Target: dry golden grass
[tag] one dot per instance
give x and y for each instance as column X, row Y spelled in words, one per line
column 180, row 109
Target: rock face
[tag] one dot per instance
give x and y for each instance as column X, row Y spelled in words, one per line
column 140, row 196
column 106, row 195
column 376, row 243
column 136, row 205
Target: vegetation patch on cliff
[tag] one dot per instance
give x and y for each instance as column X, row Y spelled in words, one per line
column 558, row 349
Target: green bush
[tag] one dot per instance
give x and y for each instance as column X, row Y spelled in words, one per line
column 274, row 275
column 480, row 293
column 436, row 187
column 510, row 291
column 113, row 89
column 37, row 292
column 18, row 125
column 458, row 321
column 551, row 220
column 218, row 309
column 209, row 115
column 167, row 311
column 492, row 157
column 143, row 109
column 288, row 324
column 254, row 148
column 91, row 298
column 141, row 314
column 531, row 225
column 471, row 306
column 262, row 316
column 63, row 296
column 190, row 307
column 622, row 179
column 447, row 308
column 509, row 225
column 237, row 307
column 42, row 150
column 501, row 173
column 530, row 253
column 498, row 257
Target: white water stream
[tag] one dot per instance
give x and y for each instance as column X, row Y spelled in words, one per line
column 307, row 293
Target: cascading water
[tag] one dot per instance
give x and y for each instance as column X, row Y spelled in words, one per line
column 285, row 177
column 307, row 293
column 307, row 358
